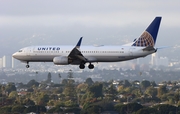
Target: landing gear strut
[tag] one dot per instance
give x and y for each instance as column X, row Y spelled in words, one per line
column 27, row 66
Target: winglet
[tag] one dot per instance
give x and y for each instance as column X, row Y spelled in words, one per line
column 79, row 43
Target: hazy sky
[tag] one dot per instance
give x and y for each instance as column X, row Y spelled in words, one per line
column 114, row 22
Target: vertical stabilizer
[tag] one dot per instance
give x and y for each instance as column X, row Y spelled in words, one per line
column 148, row 38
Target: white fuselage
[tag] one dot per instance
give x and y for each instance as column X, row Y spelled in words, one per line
column 92, row 53
column 80, row 55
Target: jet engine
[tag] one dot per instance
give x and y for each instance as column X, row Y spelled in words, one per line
column 61, row 60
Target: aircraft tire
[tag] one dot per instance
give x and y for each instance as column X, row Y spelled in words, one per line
column 27, row 66
column 81, row 66
column 91, row 66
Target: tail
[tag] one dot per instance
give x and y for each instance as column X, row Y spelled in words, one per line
column 148, row 38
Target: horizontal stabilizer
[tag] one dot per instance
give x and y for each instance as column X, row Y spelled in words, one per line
column 149, row 48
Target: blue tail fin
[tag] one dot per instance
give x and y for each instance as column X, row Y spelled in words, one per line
column 148, row 38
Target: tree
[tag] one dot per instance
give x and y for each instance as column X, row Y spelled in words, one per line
column 137, row 92
column 13, row 94
column 94, row 109
column 70, row 77
column 120, row 89
column 111, row 92
column 58, row 90
column 176, row 97
column 59, row 75
column 69, row 91
column 5, row 110
column 74, row 110
column 71, row 81
column 35, row 108
column 128, row 90
column 10, row 87
column 151, row 91
column 28, row 102
column 81, row 88
column 165, row 109
column 2, row 89
column 147, row 111
column 49, row 78
column 70, row 103
column 120, row 108
column 105, row 105
column 95, row 90
column 126, row 83
column 56, row 109
column 18, row 109
column 145, row 84
column 129, row 108
column 65, row 81
column 153, row 83
column 32, row 82
column 89, row 81
column 43, row 99
column 36, row 75
column 161, row 90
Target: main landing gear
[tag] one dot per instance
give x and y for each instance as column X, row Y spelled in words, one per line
column 27, row 66
column 82, row 66
column 90, row 66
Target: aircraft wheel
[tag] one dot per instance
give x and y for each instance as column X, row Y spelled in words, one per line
column 91, row 66
column 27, row 66
column 81, row 66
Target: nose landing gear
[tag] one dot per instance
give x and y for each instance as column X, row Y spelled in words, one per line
column 27, row 66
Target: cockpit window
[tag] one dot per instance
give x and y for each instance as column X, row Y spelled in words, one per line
column 20, row 50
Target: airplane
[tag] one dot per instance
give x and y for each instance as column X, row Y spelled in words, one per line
column 81, row 55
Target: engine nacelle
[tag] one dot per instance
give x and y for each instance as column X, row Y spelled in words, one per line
column 61, row 60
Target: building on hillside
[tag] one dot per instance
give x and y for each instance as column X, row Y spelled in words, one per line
column 1, row 62
column 7, row 61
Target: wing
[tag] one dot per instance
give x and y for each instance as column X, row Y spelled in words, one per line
column 76, row 54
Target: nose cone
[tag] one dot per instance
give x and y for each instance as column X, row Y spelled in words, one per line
column 15, row 55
